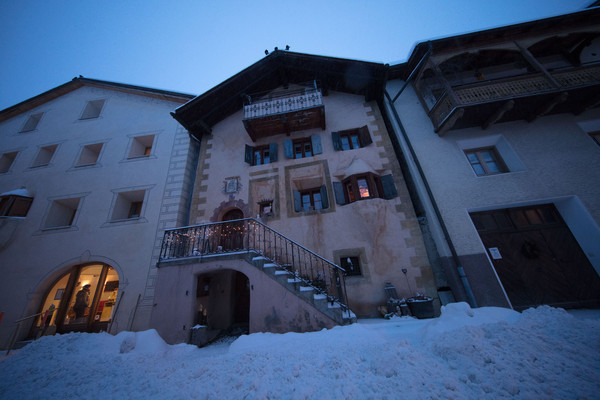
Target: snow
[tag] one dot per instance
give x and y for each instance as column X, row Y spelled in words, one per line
column 484, row 353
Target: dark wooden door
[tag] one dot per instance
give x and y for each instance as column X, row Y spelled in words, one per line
column 537, row 258
column 232, row 233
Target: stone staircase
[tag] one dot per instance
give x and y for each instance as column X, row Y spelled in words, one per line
column 312, row 295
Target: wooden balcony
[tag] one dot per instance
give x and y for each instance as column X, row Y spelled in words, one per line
column 284, row 112
column 524, row 97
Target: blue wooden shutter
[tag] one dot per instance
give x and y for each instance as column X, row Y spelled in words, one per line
column 324, row 199
column 316, row 144
column 288, row 148
column 248, row 154
column 364, row 137
column 273, row 151
column 338, row 190
column 297, row 201
column 389, row 188
column 337, row 143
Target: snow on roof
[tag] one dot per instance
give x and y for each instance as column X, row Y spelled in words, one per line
column 17, row 192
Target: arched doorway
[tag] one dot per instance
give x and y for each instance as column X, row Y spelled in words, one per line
column 232, row 233
column 83, row 299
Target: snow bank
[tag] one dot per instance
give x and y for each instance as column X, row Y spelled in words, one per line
column 465, row 354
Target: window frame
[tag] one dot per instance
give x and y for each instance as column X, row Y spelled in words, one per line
column 92, row 110
column 352, row 188
column 141, row 146
column 129, row 205
column 298, row 196
column 363, row 138
column 343, row 265
column 87, row 149
column 41, row 159
column 8, row 202
column 37, row 117
column 70, row 204
column 496, row 158
column 7, row 160
column 303, row 143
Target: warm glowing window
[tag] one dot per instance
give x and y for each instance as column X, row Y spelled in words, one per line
column 364, row 186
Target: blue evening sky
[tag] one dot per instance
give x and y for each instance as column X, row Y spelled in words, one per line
column 191, row 46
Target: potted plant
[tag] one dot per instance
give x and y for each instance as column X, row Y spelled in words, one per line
column 421, row 306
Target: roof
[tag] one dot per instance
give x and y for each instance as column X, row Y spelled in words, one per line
column 79, row 82
column 280, row 68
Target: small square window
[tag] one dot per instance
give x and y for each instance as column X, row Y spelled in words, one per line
column 62, row 213
column 485, row 161
column 351, row 265
column 32, row 122
column 265, row 208
column 14, row 206
column 89, row 154
column 261, row 155
column 44, row 156
column 141, row 146
column 92, row 109
column 7, row 160
column 351, row 139
column 596, row 136
column 128, row 205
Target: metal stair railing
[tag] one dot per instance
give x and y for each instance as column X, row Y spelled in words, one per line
column 249, row 234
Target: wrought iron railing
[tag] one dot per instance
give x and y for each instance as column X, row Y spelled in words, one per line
column 245, row 235
column 289, row 101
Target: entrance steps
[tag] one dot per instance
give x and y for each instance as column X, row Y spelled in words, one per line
column 308, row 293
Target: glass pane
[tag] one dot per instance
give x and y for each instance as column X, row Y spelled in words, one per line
column 345, row 143
column 493, row 167
column 518, row 217
column 108, row 297
column 306, row 202
column 257, row 158
column 79, row 304
column 266, row 158
column 52, row 302
column 478, row 169
column 298, row 150
column 355, row 143
column 317, row 199
column 363, row 188
column 307, row 150
column 533, row 217
column 487, row 156
column 472, row 158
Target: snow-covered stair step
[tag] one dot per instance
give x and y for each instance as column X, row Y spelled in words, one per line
column 334, row 305
column 282, row 273
column 306, row 288
column 294, row 280
column 270, row 265
column 259, row 258
column 320, row 296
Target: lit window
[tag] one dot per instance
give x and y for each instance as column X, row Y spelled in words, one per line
column 141, row 146
column 6, row 161
column 92, row 109
column 32, row 122
column 89, row 154
column 44, row 156
column 485, row 161
column 364, row 186
column 62, row 213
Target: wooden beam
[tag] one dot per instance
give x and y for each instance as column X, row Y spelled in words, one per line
column 535, row 63
column 498, row 114
column 556, row 100
column 449, row 122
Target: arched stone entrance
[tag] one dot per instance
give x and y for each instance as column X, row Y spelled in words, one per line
column 232, row 233
column 223, row 302
column 83, row 300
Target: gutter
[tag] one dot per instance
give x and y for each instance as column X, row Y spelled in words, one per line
column 461, row 272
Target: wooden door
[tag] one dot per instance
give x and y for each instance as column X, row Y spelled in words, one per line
column 537, row 258
column 232, row 233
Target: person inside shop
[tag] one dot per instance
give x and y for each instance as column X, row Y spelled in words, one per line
column 82, row 301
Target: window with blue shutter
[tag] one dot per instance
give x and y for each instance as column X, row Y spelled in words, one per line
column 351, row 139
column 389, row 188
column 261, row 154
column 311, row 199
column 364, row 186
column 316, row 144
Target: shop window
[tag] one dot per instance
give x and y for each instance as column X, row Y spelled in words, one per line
column 44, row 156
column 303, row 148
column 351, row 139
column 364, row 186
column 89, row 154
column 92, row 109
column 128, row 205
column 32, row 122
column 14, row 205
column 261, row 154
column 7, row 160
column 351, row 265
column 486, row 161
column 311, row 199
column 62, row 213
column 141, row 146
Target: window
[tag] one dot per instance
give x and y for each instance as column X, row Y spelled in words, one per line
column 311, row 199
column 128, row 205
column 261, row 155
column 7, row 160
column 351, row 265
column 12, row 205
column 486, row 161
column 364, row 186
column 596, row 136
column 62, row 213
column 351, row 139
column 141, row 146
column 32, row 122
column 44, row 156
column 302, row 148
column 92, row 109
column 265, row 208
column 89, row 154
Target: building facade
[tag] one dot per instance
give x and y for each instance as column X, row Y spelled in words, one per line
column 499, row 130
column 92, row 172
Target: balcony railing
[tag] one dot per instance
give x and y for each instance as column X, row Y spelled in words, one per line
column 283, row 102
column 248, row 235
column 525, row 86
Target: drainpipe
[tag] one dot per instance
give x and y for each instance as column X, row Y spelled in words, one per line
column 461, row 272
